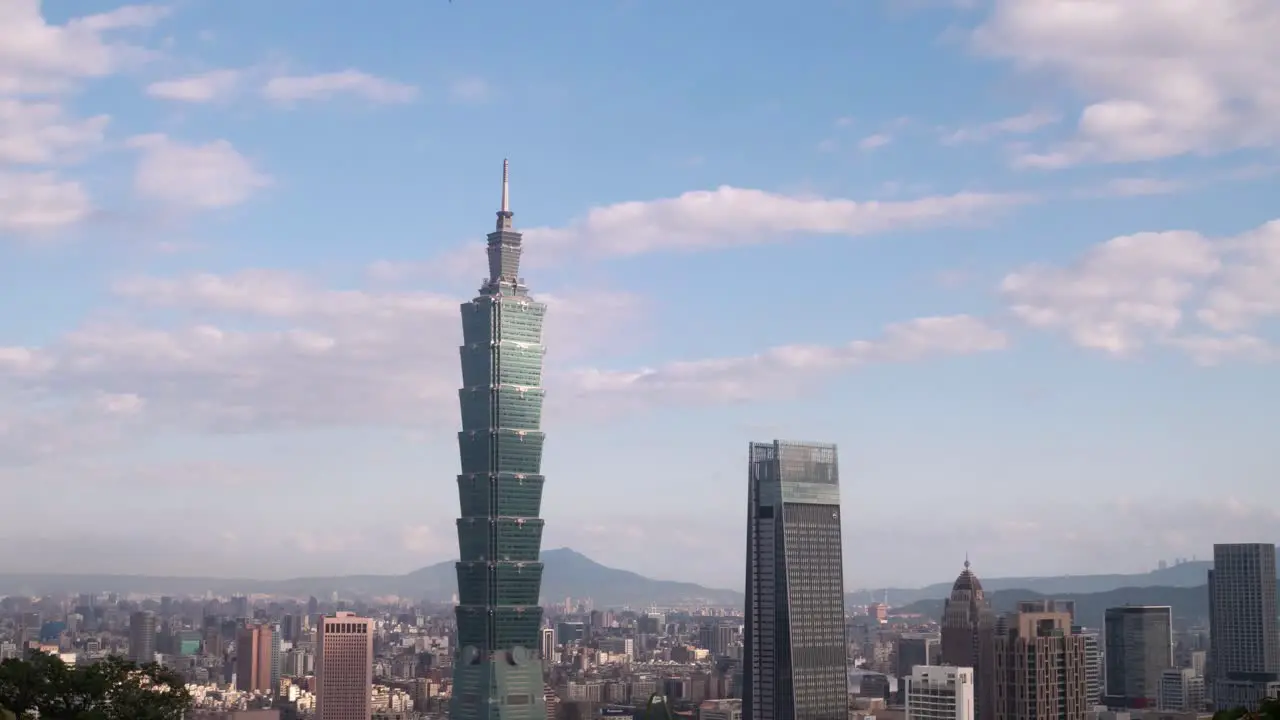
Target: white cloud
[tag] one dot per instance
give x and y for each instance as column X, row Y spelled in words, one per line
column 1135, row 290
column 1140, row 186
column 120, row 403
column 204, row 88
column 38, row 133
column 873, row 142
column 729, row 216
column 318, row 356
column 292, row 89
column 703, row 220
column 1159, row 79
column 783, row 369
column 424, row 541
column 470, row 90
column 36, row 427
column 34, row 202
column 213, row 175
column 1249, row 288
column 1024, row 124
column 38, row 57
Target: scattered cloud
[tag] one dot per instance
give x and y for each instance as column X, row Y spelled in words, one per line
column 1024, row 124
column 873, row 142
column 318, row 357
column 36, row 202
column 39, row 64
column 39, row 133
column 1141, row 186
column 213, row 175
column 424, row 541
column 213, row 86
column 327, row 86
column 1176, row 288
column 783, row 369
column 729, row 216
column 1159, row 79
column 704, row 220
column 469, row 90
column 37, row 57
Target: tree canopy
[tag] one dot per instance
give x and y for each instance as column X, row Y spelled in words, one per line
column 113, row 689
column 1268, row 709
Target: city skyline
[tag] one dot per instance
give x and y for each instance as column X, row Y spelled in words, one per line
column 984, row 270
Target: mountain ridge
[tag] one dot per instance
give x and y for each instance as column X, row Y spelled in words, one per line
column 1183, row 575
column 567, row 573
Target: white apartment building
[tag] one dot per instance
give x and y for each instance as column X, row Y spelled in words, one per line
column 939, row 692
column 1181, row 690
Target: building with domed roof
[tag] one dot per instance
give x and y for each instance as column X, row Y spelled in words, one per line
column 968, row 627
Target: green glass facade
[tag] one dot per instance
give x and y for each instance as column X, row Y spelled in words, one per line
column 497, row 672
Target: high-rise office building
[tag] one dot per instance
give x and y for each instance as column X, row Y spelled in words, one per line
column 253, row 658
column 1138, row 649
column 1039, row 668
column 1244, row 639
column 344, row 668
column 722, row 640
column 915, row 649
column 939, row 693
column 142, row 637
column 968, row 626
column 497, row 675
column 794, row 637
column 1181, row 690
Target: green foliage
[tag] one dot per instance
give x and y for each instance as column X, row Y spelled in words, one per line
column 1268, row 709
column 113, row 689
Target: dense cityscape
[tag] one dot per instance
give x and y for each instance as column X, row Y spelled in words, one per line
column 796, row 649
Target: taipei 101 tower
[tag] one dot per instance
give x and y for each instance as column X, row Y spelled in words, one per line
column 497, row 673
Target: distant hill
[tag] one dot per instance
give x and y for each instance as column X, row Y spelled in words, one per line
column 1188, row 603
column 1184, row 575
column 568, row 574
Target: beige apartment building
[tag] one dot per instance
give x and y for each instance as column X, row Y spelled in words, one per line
column 1040, row 668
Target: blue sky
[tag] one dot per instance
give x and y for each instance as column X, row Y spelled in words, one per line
column 1013, row 256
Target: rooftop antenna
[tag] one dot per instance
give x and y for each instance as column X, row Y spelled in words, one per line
column 966, row 559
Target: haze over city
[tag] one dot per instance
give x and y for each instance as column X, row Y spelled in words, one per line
column 1027, row 290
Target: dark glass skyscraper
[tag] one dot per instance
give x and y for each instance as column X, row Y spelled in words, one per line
column 497, row 674
column 795, row 660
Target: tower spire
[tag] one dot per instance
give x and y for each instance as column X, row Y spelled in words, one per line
column 504, row 215
column 506, row 179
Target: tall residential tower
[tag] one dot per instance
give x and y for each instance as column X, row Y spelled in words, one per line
column 497, row 674
column 794, row 653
